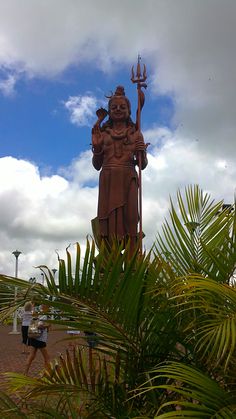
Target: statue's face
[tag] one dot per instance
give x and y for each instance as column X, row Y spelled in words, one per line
column 118, row 109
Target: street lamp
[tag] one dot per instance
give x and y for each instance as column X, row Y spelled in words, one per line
column 54, row 274
column 14, row 331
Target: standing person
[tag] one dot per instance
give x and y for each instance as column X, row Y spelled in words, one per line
column 40, row 342
column 117, row 146
column 26, row 320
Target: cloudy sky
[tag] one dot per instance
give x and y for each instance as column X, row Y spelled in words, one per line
column 58, row 60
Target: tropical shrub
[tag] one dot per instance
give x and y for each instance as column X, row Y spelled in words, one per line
column 164, row 324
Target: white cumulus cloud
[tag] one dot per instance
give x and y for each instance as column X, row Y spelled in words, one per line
column 188, row 46
column 7, row 85
column 81, row 109
column 41, row 214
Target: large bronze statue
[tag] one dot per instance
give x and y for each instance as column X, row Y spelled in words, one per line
column 118, row 147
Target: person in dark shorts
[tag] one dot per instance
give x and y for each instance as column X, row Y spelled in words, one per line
column 41, row 341
column 26, row 320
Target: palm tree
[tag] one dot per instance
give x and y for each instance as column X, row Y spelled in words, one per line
column 164, row 324
column 199, row 243
column 199, row 236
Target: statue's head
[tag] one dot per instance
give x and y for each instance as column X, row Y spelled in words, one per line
column 121, row 102
column 119, row 96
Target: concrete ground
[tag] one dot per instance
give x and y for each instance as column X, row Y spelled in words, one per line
column 13, row 360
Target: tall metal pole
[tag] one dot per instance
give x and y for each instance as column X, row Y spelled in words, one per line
column 14, row 331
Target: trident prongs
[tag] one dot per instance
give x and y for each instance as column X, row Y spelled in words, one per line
column 140, row 78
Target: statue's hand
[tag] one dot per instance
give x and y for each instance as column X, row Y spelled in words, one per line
column 96, row 132
column 139, row 143
column 140, row 148
column 96, row 137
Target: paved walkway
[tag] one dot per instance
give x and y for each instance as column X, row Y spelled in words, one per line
column 12, row 359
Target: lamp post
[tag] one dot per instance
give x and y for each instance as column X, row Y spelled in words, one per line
column 54, row 274
column 14, row 331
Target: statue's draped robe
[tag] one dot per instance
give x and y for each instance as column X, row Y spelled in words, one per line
column 117, row 204
column 118, row 186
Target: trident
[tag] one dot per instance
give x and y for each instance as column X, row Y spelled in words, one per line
column 140, row 81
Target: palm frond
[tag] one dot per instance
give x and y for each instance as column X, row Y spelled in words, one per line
column 77, row 380
column 213, row 307
column 200, row 236
column 10, row 409
column 187, row 392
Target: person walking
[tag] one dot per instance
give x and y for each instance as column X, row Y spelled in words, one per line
column 41, row 341
column 26, row 320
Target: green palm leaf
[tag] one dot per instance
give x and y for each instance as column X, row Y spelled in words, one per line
column 10, row 409
column 191, row 391
column 77, row 380
column 200, row 236
column 215, row 327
